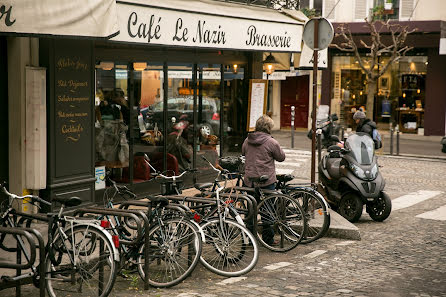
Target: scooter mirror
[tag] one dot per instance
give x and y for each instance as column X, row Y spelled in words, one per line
column 334, row 117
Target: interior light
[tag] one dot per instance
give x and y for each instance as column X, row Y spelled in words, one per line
column 418, row 91
column 360, row 93
column 106, row 65
column 235, row 68
column 354, row 96
column 139, row 66
column 404, row 95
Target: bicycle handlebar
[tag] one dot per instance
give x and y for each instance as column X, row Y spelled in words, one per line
column 32, row 197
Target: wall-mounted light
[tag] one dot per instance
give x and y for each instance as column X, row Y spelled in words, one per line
column 235, row 68
column 412, row 66
column 106, row 65
column 418, row 91
column 139, row 66
column 269, row 64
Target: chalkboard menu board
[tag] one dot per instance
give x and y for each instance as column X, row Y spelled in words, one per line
column 73, row 111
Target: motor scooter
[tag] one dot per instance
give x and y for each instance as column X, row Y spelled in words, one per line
column 328, row 127
column 350, row 178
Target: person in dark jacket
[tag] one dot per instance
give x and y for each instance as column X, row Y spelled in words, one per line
column 261, row 150
column 363, row 124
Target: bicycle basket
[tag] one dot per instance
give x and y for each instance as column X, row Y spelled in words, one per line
column 232, row 164
column 167, row 187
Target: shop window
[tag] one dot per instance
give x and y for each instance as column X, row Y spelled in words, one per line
column 180, row 114
column 147, row 131
column 235, row 110
column 112, row 114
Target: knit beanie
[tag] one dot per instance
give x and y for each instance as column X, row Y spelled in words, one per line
column 359, row 115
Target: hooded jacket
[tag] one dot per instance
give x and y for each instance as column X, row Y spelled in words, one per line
column 261, row 150
column 366, row 126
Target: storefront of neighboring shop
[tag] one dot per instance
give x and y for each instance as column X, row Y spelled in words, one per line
column 410, row 94
column 170, row 88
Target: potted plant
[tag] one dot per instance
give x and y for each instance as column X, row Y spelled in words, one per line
column 388, row 4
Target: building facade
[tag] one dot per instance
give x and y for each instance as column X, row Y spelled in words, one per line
column 162, row 86
column 411, row 94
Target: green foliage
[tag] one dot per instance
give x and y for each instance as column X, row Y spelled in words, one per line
column 378, row 12
column 310, row 12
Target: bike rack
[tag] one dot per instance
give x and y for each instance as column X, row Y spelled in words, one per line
column 20, row 280
column 136, row 215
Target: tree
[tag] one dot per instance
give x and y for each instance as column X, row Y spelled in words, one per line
column 386, row 38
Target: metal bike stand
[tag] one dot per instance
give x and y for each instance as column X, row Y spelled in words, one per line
column 139, row 217
column 20, row 280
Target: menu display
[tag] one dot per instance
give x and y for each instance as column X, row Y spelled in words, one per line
column 258, row 90
column 72, row 107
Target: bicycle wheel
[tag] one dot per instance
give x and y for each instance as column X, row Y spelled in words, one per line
column 280, row 223
column 175, row 248
column 316, row 213
column 229, row 249
column 83, row 264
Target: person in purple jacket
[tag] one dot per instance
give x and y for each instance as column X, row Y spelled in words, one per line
column 261, row 150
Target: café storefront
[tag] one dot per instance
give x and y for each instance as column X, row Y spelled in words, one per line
column 170, row 87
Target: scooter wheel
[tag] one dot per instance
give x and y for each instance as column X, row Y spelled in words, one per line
column 350, row 207
column 381, row 208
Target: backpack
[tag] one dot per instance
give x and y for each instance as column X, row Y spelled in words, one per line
column 377, row 139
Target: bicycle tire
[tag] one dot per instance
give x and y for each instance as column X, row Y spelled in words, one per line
column 229, row 249
column 280, row 222
column 316, row 213
column 174, row 244
column 67, row 278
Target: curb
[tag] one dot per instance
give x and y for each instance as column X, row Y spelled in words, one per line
column 342, row 228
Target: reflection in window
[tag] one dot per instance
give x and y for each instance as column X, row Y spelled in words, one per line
column 148, row 135
column 234, row 122
column 112, row 116
column 181, row 118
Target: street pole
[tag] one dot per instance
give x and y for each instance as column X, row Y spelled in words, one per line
column 313, row 114
column 292, row 126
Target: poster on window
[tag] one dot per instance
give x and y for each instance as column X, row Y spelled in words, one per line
column 258, row 90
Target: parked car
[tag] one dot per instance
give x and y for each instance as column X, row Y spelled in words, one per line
column 183, row 107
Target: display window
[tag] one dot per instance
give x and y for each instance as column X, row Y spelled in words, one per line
column 164, row 117
column 400, row 91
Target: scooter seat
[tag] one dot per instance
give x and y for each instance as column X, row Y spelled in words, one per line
column 333, row 165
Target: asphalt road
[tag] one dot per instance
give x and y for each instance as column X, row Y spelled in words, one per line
column 409, row 144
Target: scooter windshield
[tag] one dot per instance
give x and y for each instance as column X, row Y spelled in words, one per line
column 361, row 147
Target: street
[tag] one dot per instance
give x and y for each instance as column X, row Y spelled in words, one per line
column 402, row 256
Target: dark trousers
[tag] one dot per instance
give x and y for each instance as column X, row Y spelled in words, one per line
column 267, row 229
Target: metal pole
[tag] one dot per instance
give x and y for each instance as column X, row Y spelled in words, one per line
column 319, row 146
column 391, row 141
column 397, row 140
column 313, row 114
column 292, row 126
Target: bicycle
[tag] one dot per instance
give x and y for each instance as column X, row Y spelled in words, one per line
column 175, row 243
column 229, row 248
column 280, row 224
column 314, row 205
column 80, row 257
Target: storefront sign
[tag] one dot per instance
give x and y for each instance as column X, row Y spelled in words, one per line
column 279, row 75
column 153, row 25
column 59, row 17
column 73, row 106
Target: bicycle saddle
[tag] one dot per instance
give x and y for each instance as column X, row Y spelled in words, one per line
column 260, row 179
column 284, row 177
column 157, row 200
column 70, row 201
column 202, row 186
